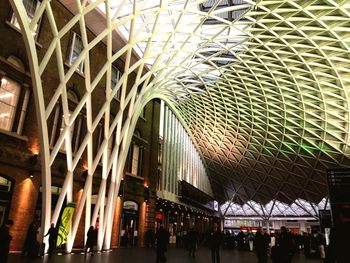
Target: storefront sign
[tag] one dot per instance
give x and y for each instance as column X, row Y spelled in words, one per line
column 159, row 216
column 131, row 205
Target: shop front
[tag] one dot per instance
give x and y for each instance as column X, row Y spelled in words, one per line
column 129, row 224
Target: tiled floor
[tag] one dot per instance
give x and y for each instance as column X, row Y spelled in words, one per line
column 144, row 255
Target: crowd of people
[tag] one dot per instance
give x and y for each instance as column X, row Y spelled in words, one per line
column 280, row 246
column 313, row 245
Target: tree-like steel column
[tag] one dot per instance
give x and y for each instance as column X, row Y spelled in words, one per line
column 173, row 42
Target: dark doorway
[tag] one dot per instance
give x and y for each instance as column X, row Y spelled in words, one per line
column 129, row 224
column 6, row 190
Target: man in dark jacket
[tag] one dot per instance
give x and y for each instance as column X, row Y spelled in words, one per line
column 285, row 247
column 30, row 243
column 5, row 239
column 52, row 233
column 192, row 242
column 261, row 244
column 339, row 240
column 214, row 240
column 162, row 239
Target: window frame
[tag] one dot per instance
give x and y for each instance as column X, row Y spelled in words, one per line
column 80, row 68
column 13, row 106
column 117, row 96
column 14, row 21
column 130, row 160
column 21, row 108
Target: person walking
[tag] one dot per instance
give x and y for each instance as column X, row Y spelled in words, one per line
column 192, row 242
column 90, row 241
column 52, row 233
column 241, row 240
column 5, row 239
column 250, row 237
column 30, row 243
column 261, row 244
column 162, row 240
column 214, row 240
column 285, row 247
column 149, row 238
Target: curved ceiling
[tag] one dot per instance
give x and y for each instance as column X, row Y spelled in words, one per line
column 265, row 95
column 262, row 86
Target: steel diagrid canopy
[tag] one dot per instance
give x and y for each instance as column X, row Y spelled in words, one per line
column 262, row 87
column 277, row 115
column 268, row 106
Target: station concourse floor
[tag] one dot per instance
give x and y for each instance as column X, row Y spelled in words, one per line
column 148, row 255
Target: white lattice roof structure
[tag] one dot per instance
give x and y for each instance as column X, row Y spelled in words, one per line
column 262, row 87
column 275, row 208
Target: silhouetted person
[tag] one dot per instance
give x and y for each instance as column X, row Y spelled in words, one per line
column 5, row 239
column 214, row 240
column 90, row 241
column 250, row 237
column 31, row 243
column 261, row 243
column 149, row 238
column 241, row 239
column 162, row 238
column 284, row 249
column 192, row 242
column 125, row 239
column 52, row 233
column 339, row 249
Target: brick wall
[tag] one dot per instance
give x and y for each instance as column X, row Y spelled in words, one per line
column 22, row 205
